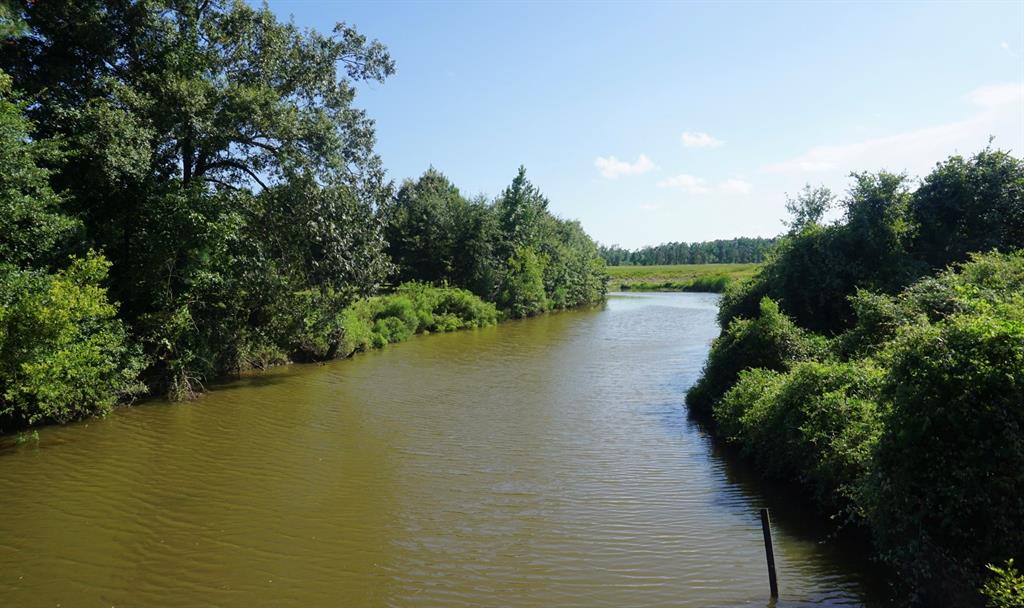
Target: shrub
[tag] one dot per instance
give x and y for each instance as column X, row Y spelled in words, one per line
column 318, row 331
column 710, row 284
column 753, row 390
column 985, row 281
column 770, row 341
column 742, row 299
column 63, row 354
column 1005, row 589
column 356, row 329
column 968, row 205
column 395, row 319
column 414, row 307
column 947, row 491
column 816, row 424
column 458, row 308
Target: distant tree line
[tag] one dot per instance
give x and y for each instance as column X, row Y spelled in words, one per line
column 741, row 250
column 879, row 362
column 188, row 190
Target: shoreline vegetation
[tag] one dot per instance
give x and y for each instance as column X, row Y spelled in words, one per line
column 711, row 277
column 188, row 191
column 878, row 363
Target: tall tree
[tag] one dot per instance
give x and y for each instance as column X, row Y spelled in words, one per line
column 192, row 126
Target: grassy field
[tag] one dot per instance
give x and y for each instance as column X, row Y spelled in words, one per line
column 678, row 277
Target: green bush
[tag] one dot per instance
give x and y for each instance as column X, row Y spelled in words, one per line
column 769, row 341
column 458, row 308
column 913, row 419
column 755, row 390
column 1005, row 588
column 970, row 205
column 318, row 331
column 742, row 299
column 985, row 281
column 947, row 491
column 63, row 353
column 816, row 424
column 915, row 429
column 356, row 330
column 413, row 308
column 395, row 319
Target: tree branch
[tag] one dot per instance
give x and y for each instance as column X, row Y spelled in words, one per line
column 234, row 164
column 214, row 180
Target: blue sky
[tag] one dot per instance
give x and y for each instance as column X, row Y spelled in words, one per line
column 684, row 121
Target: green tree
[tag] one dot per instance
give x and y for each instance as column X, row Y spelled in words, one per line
column 521, row 210
column 808, row 207
column 435, row 234
column 31, row 220
column 522, row 289
column 967, row 205
column 215, row 155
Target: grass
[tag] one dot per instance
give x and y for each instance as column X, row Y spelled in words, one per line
column 678, row 277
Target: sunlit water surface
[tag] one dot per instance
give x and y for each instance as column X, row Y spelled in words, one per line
column 545, row 462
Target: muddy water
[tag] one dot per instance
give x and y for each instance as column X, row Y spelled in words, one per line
column 545, row 462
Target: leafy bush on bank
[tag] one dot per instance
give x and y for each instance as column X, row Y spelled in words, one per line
column 413, row 308
column 769, row 341
column 913, row 417
column 63, row 353
column 816, row 424
column 910, row 423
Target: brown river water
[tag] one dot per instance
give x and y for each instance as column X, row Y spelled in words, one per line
column 544, row 462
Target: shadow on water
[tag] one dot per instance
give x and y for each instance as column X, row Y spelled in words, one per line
column 792, row 512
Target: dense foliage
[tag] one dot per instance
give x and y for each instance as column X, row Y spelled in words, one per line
column 63, row 353
column 728, row 251
column 188, row 190
column 1005, row 588
column 909, row 418
column 413, row 308
column 512, row 251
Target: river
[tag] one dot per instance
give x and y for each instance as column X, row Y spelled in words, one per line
column 543, row 462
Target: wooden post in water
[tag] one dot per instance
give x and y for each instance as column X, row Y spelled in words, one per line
column 769, row 552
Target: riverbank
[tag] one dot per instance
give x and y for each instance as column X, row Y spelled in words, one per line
column 366, row 324
column 523, row 464
column 709, row 278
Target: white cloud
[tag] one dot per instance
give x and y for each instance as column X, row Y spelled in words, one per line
column 686, row 183
column 999, row 112
column 1006, row 47
column 613, row 168
column 692, row 139
column 997, row 95
column 736, row 186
